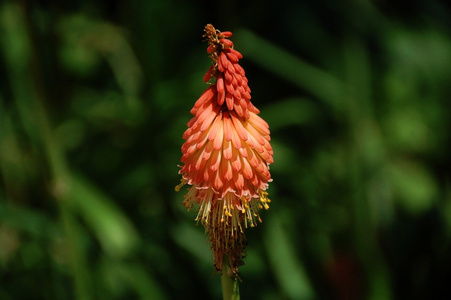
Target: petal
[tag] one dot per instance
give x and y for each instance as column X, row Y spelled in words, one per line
column 221, row 90
column 229, row 101
column 226, row 42
column 255, row 181
column 200, row 161
column 232, row 57
column 239, row 180
column 247, row 169
column 252, row 108
column 234, row 82
column 206, row 122
column 227, row 149
column 228, row 132
column 226, row 34
column 223, row 60
column 236, row 161
column 259, row 124
column 238, row 54
column 238, row 69
column 207, row 95
column 236, row 141
column 229, row 87
column 231, row 66
column 226, row 169
column 215, row 160
column 239, row 110
column 237, row 94
column 253, row 159
column 255, row 134
column 212, row 133
column 207, row 174
column 242, row 133
column 217, row 143
column 208, row 150
column 221, row 67
column 208, row 74
column 243, row 152
column 228, row 76
column 217, row 182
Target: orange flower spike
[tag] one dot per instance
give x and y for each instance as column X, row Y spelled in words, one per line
column 226, row 154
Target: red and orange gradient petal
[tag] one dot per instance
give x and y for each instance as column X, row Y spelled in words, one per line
column 226, row 154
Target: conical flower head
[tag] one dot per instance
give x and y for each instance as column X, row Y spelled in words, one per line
column 226, row 154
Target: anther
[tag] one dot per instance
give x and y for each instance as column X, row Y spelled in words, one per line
column 179, row 186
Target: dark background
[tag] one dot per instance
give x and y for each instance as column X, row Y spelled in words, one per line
column 95, row 97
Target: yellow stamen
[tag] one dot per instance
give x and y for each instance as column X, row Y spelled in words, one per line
column 264, row 199
column 179, row 186
column 244, row 204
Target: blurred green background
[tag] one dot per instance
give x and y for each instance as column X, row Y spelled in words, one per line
column 95, row 97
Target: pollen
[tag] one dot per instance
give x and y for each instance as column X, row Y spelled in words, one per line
column 179, row 186
column 264, row 199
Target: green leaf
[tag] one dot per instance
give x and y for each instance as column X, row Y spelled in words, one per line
column 413, row 186
column 288, row 269
column 113, row 229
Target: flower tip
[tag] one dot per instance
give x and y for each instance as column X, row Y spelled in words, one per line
column 209, row 74
column 210, row 49
column 226, row 34
column 226, row 42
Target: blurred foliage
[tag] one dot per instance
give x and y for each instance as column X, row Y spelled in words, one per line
column 94, row 99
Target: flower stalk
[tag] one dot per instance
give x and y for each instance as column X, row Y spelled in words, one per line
column 230, row 287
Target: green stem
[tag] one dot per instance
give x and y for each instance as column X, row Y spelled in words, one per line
column 230, row 289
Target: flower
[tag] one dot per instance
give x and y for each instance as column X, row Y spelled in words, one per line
column 226, row 154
